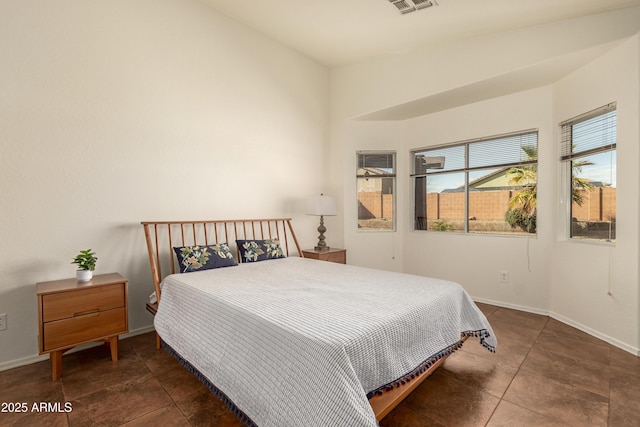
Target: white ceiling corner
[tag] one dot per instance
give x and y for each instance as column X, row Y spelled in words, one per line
column 537, row 75
column 339, row 32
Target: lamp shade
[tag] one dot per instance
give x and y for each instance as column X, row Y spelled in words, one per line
column 321, row 205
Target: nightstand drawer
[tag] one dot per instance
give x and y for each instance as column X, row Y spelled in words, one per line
column 71, row 313
column 66, row 305
column 332, row 255
column 84, row 328
column 339, row 257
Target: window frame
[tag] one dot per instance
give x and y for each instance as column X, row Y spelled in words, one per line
column 532, row 133
column 392, row 176
column 567, row 156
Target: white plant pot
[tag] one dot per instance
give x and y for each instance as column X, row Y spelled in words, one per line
column 84, row 275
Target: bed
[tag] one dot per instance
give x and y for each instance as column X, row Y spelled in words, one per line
column 288, row 341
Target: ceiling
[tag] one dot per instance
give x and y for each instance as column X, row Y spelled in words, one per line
column 339, row 32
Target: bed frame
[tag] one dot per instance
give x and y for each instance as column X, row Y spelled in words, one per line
column 162, row 236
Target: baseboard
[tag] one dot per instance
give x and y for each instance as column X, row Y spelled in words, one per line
column 16, row 363
column 512, row 306
column 617, row 343
column 138, row 331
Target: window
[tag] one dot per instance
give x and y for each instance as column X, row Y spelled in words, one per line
column 487, row 185
column 376, row 182
column 588, row 148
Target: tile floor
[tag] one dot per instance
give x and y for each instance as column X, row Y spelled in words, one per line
column 544, row 373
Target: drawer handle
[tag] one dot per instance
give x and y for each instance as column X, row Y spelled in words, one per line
column 84, row 313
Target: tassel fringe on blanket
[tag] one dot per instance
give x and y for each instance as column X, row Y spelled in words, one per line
column 244, row 418
column 481, row 334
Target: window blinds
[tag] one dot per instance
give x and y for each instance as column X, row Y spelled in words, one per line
column 590, row 133
column 383, row 163
column 514, row 149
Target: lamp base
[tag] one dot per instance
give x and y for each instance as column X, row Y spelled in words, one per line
column 322, row 245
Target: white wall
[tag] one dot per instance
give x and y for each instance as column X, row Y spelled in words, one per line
column 472, row 260
column 539, row 278
column 583, row 273
column 476, row 260
column 113, row 112
column 379, row 249
column 416, row 77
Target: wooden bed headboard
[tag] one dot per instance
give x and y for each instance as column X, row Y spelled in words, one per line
column 162, row 236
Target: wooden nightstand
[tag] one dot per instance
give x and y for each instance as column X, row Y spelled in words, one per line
column 331, row 255
column 71, row 313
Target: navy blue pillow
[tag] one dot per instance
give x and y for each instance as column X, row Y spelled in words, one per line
column 259, row 250
column 204, row 257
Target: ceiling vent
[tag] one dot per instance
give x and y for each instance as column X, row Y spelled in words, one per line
column 406, row 6
column 422, row 4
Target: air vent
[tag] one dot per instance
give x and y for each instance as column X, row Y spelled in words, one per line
column 403, row 6
column 421, row 4
column 406, row 6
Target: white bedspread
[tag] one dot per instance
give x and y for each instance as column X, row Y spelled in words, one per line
column 299, row 342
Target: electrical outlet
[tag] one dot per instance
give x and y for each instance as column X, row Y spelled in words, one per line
column 504, row 276
column 3, row 321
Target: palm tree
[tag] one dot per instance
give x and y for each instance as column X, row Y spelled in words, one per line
column 527, row 178
column 579, row 185
column 523, row 205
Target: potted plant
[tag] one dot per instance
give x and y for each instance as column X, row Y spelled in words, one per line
column 86, row 261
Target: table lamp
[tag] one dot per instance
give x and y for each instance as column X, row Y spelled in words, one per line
column 320, row 206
